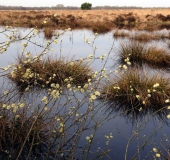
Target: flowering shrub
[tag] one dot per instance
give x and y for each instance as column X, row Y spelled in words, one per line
column 55, row 108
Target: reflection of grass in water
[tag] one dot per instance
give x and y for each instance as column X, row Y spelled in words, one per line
column 135, row 91
column 120, row 34
column 141, row 36
column 44, row 73
column 139, row 53
column 146, row 37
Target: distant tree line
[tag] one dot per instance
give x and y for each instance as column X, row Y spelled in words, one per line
column 70, row 7
column 36, row 8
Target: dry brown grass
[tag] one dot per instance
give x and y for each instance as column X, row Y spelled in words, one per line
column 40, row 73
column 136, row 92
column 157, row 57
column 139, row 53
column 48, row 32
column 97, row 20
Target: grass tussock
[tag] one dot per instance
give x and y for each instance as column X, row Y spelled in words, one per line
column 134, row 51
column 139, row 53
column 157, row 57
column 43, row 73
column 48, row 32
column 101, row 27
column 24, row 135
column 137, row 91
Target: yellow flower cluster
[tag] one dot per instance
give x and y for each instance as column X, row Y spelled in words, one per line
column 45, row 100
column 14, row 107
column 28, row 74
column 127, row 61
column 108, row 138
column 94, row 96
column 89, row 138
column 55, row 93
column 156, row 151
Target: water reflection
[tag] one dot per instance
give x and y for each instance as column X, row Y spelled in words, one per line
column 138, row 112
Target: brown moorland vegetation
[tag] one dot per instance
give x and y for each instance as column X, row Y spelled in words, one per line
column 97, row 20
column 135, row 92
column 138, row 53
column 49, row 72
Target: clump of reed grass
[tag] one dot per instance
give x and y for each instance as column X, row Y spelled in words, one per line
column 136, row 91
column 132, row 50
column 157, row 57
column 25, row 136
column 139, row 53
column 48, row 32
column 43, row 73
column 120, row 34
column 101, row 27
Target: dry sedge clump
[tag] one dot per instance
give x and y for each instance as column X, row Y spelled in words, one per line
column 101, row 27
column 157, row 57
column 48, row 32
column 28, row 134
column 139, row 53
column 132, row 50
column 43, row 73
column 136, row 91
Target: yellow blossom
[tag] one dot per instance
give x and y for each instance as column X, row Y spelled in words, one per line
column 138, row 96
column 158, row 155
column 155, row 149
column 167, row 101
column 44, row 21
column 97, row 93
column 93, row 97
column 168, row 116
column 168, row 107
column 86, row 39
column 68, row 85
column 156, row 85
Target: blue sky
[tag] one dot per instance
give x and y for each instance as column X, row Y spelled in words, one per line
column 49, row 3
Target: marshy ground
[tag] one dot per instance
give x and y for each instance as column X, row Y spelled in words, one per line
column 100, row 21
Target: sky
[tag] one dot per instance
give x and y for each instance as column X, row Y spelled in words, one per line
column 50, row 3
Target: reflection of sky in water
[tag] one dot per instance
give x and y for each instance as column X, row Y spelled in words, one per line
column 73, row 46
